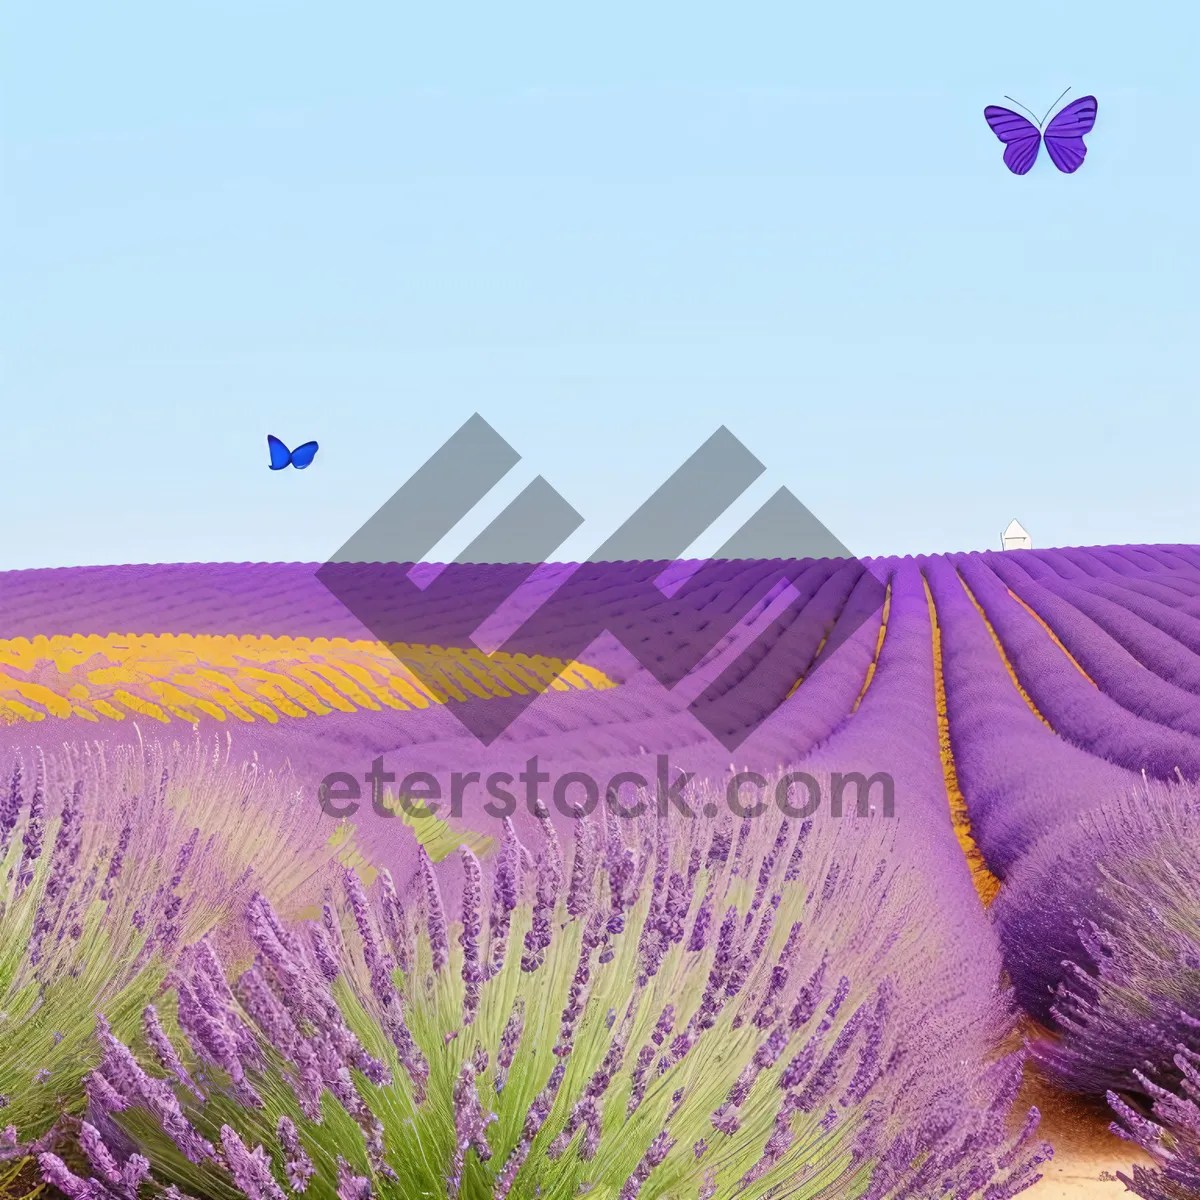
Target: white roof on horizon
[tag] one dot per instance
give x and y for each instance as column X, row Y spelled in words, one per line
column 1015, row 529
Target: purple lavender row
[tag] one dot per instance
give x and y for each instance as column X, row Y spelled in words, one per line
column 1075, row 708
column 1158, row 629
column 1105, row 658
column 1172, row 661
column 1020, row 778
column 895, row 731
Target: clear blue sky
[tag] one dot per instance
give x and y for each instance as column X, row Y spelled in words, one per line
column 609, row 232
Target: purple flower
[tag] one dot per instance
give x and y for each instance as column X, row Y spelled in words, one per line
column 1171, row 1138
column 504, row 898
column 378, row 964
column 58, row 1175
column 10, row 808
column 395, row 922
column 470, row 1126
column 479, row 1058
column 541, row 932
column 510, row 1039
column 251, row 1169
column 579, row 896
column 103, row 1098
column 126, row 1077
column 186, row 851
column 1120, row 987
column 167, row 1056
column 473, row 972
column 654, row 1156
column 809, row 997
column 299, row 1166
column 31, row 841
column 439, row 941
column 323, row 947
column 116, row 862
column 98, row 1154
column 351, row 1186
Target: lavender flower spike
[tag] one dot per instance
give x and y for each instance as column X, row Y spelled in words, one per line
column 34, row 833
column 299, row 1166
column 659, row 1149
column 350, row 1185
column 439, row 938
column 10, row 808
column 167, row 1056
column 473, row 972
column 251, row 1169
column 59, row 1175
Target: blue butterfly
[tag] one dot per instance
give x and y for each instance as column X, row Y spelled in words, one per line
column 281, row 455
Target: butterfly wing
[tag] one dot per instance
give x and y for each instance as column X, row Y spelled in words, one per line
column 303, row 455
column 1064, row 135
column 1020, row 136
column 280, row 455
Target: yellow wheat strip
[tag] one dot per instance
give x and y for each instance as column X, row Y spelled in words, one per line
column 428, row 668
column 250, row 677
column 313, row 675
column 295, row 692
column 181, row 704
column 78, row 695
column 409, row 688
column 507, row 678
column 542, row 671
column 589, row 676
column 21, row 711
column 373, row 679
column 228, row 695
column 142, row 707
column 274, row 696
column 482, row 671
column 346, row 691
column 986, row 884
column 55, row 704
column 460, row 667
column 524, row 679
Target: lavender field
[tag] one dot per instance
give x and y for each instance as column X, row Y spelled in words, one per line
column 972, row 877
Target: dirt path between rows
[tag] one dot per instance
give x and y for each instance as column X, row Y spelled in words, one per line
column 1083, row 1146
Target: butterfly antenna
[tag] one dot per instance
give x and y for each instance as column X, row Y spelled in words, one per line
column 1031, row 113
column 1054, row 105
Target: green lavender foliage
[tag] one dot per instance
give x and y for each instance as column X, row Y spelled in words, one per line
column 830, row 1057
column 109, row 862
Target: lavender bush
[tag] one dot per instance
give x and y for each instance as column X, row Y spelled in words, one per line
column 1171, row 1138
column 108, row 865
column 685, row 1010
column 1105, row 916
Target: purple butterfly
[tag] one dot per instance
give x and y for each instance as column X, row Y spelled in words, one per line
column 1063, row 136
